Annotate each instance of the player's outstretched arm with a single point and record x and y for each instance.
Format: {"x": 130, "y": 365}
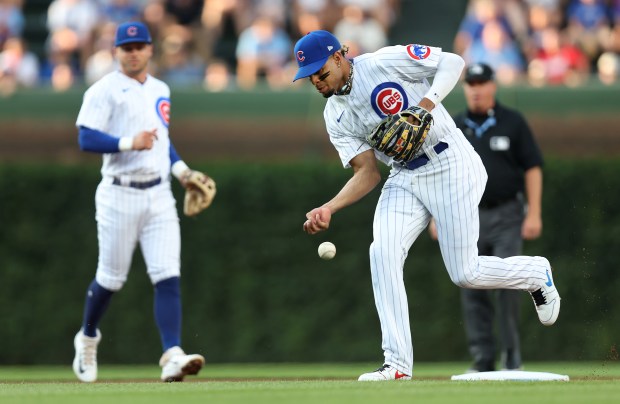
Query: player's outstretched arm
{"x": 365, "y": 178}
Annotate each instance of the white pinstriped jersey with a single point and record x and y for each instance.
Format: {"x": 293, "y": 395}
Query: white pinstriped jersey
{"x": 448, "y": 188}
{"x": 116, "y": 105}
{"x": 123, "y": 107}
{"x": 384, "y": 82}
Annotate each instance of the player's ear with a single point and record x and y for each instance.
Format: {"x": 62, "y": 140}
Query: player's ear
{"x": 338, "y": 58}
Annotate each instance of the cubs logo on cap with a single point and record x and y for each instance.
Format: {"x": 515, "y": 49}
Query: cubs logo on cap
{"x": 132, "y": 32}
{"x": 313, "y": 50}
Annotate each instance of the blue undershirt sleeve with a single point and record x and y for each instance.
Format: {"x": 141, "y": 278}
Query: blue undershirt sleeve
{"x": 95, "y": 141}
{"x": 174, "y": 156}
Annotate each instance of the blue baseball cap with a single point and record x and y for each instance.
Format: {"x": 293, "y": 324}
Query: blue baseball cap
{"x": 132, "y": 32}
{"x": 313, "y": 50}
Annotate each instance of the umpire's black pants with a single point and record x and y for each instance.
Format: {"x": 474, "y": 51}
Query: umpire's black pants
{"x": 500, "y": 235}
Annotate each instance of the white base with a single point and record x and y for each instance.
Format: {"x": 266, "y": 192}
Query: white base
{"x": 512, "y": 375}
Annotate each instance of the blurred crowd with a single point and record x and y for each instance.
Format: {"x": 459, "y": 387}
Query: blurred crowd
{"x": 220, "y": 44}
{"x": 543, "y": 42}
{"x": 234, "y": 44}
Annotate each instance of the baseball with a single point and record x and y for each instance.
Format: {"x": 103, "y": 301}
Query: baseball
{"x": 327, "y": 250}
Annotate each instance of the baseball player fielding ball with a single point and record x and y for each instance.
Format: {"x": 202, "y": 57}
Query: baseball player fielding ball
{"x": 327, "y": 250}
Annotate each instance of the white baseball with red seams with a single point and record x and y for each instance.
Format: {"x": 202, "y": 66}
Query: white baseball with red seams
{"x": 327, "y": 250}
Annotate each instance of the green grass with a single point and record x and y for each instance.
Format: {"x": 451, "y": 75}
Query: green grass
{"x": 306, "y": 383}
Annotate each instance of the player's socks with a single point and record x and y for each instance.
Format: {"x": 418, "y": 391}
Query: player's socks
{"x": 167, "y": 307}
{"x": 97, "y": 300}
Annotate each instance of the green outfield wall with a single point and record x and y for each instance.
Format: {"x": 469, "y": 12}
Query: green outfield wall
{"x": 254, "y": 288}
{"x": 38, "y": 125}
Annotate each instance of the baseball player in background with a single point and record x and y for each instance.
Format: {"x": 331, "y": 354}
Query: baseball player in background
{"x": 445, "y": 179}
{"x": 125, "y": 116}
{"x": 513, "y": 161}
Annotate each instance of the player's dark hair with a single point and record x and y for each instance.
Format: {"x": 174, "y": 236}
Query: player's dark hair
{"x": 344, "y": 50}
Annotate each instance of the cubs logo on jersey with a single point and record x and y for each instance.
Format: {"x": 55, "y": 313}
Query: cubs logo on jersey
{"x": 388, "y": 99}
{"x": 418, "y": 52}
{"x": 162, "y": 107}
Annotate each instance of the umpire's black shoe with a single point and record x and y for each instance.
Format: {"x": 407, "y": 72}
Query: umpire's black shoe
{"x": 481, "y": 367}
{"x": 511, "y": 359}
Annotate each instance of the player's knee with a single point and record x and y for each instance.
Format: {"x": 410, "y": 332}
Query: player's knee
{"x": 111, "y": 282}
{"x": 158, "y": 275}
{"x": 464, "y": 279}
{"x": 375, "y": 252}
{"x": 383, "y": 251}
{"x": 458, "y": 278}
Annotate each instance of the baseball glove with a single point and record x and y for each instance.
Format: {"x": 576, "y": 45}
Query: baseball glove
{"x": 401, "y": 135}
{"x": 199, "y": 192}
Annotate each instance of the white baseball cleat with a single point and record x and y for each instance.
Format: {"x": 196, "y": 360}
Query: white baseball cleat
{"x": 385, "y": 372}
{"x": 176, "y": 364}
{"x": 85, "y": 361}
{"x": 547, "y": 301}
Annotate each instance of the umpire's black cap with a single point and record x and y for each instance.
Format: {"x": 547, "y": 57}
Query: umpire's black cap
{"x": 479, "y": 73}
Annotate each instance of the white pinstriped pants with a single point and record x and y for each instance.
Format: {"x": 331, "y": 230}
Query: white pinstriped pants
{"x": 126, "y": 216}
{"x": 448, "y": 188}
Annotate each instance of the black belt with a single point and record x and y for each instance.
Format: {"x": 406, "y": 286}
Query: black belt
{"x": 423, "y": 159}
{"x": 494, "y": 204}
{"x": 138, "y": 185}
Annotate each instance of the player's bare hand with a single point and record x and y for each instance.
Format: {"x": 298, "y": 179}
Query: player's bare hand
{"x": 318, "y": 220}
{"x": 145, "y": 140}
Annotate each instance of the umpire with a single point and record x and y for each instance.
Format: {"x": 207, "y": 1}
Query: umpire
{"x": 510, "y": 212}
